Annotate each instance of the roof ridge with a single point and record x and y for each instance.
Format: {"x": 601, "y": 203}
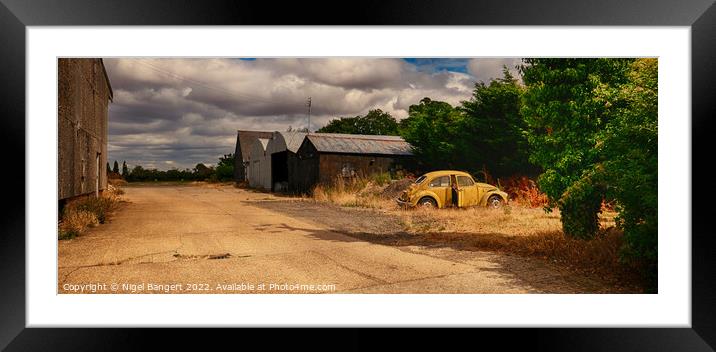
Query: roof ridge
{"x": 357, "y": 136}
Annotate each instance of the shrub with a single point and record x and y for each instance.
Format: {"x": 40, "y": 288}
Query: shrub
{"x": 66, "y": 234}
{"x": 99, "y": 206}
{"x": 381, "y": 179}
{"x": 76, "y": 221}
{"x": 524, "y": 191}
{"x": 80, "y": 214}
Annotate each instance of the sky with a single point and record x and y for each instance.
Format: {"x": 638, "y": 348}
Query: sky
{"x": 175, "y": 113}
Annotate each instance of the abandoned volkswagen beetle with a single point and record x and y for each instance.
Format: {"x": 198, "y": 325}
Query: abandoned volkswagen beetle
{"x": 449, "y": 188}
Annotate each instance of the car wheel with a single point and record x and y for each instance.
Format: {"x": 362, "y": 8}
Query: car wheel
{"x": 494, "y": 202}
{"x": 427, "y": 202}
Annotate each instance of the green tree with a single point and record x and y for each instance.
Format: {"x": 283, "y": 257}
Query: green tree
{"x": 137, "y": 174}
{"x": 125, "y": 170}
{"x": 340, "y": 125}
{"x": 202, "y": 172}
{"x": 376, "y": 122}
{"x": 225, "y": 167}
{"x": 108, "y": 169}
{"x": 492, "y": 133}
{"x": 431, "y": 127}
{"x": 115, "y": 169}
{"x": 628, "y": 145}
{"x": 565, "y": 119}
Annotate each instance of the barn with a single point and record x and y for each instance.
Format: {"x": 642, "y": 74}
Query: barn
{"x": 244, "y": 141}
{"x": 84, "y": 94}
{"x": 282, "y": 149}
{"x": 322, "y": 157}
{"x": 259, "y": 164}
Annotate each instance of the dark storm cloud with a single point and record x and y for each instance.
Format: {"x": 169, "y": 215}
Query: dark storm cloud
{"x": 179, "y": 112}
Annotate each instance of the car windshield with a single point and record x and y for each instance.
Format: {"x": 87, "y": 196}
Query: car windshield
{"x": 420, "y": 180}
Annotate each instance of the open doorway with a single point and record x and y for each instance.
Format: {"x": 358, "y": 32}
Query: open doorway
{"x": 279, "y": 171}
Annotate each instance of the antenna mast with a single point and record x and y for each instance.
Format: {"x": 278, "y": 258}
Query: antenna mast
{"x": 308, "y": 103}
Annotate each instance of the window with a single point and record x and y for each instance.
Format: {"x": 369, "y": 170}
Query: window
{"x": 464, "y": 181}
{"x": 442, "y": 181}
{"x": 420, "y": 180}
{"x": 348, "y": 170}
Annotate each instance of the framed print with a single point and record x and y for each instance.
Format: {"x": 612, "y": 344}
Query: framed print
{"x": 424, "y": 165}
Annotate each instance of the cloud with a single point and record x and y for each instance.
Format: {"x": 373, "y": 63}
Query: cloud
{"x": 188, "y": 110}
{"x": 484, "y": 69}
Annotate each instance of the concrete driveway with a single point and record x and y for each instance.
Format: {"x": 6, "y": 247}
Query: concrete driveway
{"x": 203, "y": 239}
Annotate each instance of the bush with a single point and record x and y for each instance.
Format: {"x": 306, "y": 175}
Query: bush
{"x": 580, "y": 215}
{"x": 381, "y": 179}
{"x": 76, "y": 221}
{"x": 99, "y": 206}
{"x": 80, "y": 214}
{"x": 524, "y": 191}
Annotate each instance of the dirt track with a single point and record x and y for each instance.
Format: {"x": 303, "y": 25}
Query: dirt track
{"x": 201, "y": 239}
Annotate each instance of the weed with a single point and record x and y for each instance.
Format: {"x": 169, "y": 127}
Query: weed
{"x": 67, "y": 234}
{"x": 76, "y": 221}
{"x": 86, "y": 212}
{"x": 99, "y": 206}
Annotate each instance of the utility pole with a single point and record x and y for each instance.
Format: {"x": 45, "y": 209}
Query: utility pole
{"x": 308, "y": 103}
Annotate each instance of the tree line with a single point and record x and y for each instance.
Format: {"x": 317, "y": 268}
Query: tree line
{"x": 586, "y": 129}
{"x": 223, "y": 171}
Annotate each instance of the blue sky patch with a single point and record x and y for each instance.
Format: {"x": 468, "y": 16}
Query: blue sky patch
{"x": 439, "y": 64}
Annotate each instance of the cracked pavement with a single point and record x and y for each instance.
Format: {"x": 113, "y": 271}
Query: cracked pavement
{"x": 214, "y": 239}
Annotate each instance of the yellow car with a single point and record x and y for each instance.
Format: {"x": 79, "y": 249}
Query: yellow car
{"x": 448, "y": 188}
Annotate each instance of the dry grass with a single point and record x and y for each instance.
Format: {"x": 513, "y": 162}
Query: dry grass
{"x": 75, "y": 222}
{"x": 113, "y": 192}
{"x": 510, "y": 220}
{"x": 598, "y": 257}
{"x": 518, "y": 228}
{"x": 81, "y": 214}
{"x": 117, "y": 182}
{"x": 357, "y": 192}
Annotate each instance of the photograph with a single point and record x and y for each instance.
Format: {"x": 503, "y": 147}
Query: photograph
{"x": 357, "y": 175}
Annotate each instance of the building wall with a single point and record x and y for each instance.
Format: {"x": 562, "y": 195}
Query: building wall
{"x": 259, "y": 169}
{"x": 309, "y": 167}
{"x": 244, "y": 142}
{"x": 303, "y": 169}
{"x": 332, "y": 166}
{"x": 83, "y": 99}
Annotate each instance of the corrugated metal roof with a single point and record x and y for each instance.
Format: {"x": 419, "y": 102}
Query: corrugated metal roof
{"x": 293, "y": 140}
{"x": 359, "y": 144}
{"x": 246, "y": 138}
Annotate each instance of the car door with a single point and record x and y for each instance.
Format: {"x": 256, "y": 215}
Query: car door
{"x": 441, "y": 187}
{"x": 468, "y": 191}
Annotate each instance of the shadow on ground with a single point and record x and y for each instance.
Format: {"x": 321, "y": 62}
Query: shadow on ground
{"x": 521, "y": 271}
{"x": 374, "y": 226}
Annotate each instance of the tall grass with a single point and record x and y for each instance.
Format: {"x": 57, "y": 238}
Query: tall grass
{"x": 75, "y": 222}
{"x": 81, "y": 214}
{"x": 521, "y": 228}
{"x": 362, "y": 191}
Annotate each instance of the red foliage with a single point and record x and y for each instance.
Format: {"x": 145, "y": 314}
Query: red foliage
{"x": 524, "y": 191}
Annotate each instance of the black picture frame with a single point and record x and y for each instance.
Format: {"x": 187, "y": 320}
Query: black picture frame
{"x": 699, "y": 15}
